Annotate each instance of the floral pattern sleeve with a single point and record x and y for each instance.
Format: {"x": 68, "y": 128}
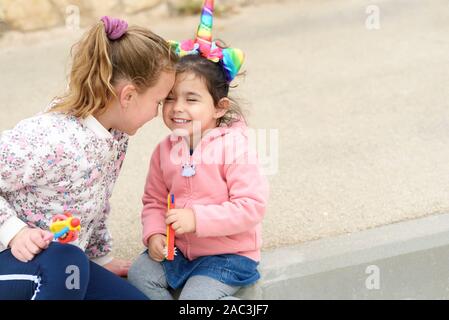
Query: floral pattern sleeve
{"x": 21, "y": 168}
{"x": 53, "y": 163}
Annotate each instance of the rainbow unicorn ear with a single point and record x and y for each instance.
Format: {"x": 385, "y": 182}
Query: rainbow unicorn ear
{"x": 232, "y": 62}
{"x": 231, "y": 59}
{"x": 184, "y": 48}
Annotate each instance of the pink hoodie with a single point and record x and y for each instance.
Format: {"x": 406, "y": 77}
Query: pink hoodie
{"x": 228, "y": 194}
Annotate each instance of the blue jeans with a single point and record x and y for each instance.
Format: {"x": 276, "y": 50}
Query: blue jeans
{"x": 149, "y": 276}
{"x": 230, "y": 269}
{"x": 61, "y": 272}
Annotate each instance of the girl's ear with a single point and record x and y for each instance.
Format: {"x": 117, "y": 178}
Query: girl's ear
{"x": 127, "y": 95}
{"x": 222, "y": 107}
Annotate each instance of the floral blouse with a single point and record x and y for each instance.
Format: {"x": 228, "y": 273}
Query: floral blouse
{"x": 53, "y": 163}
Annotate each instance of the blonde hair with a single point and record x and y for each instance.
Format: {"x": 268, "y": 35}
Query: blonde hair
{"x": 98, "y": 64}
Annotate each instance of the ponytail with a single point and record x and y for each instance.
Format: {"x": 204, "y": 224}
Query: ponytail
{"x": 99, "y": 63}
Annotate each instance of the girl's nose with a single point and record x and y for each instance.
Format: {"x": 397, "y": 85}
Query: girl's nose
{"x": 178, "y": 106}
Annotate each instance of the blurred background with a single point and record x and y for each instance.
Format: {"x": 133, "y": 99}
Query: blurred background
{"x": 349, "y": 97}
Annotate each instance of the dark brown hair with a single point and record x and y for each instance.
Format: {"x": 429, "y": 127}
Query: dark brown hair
{"x": 215, "y": 78}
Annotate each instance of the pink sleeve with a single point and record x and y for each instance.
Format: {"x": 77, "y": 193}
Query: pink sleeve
{"x": 248, "y": 195}
{"x": 154, "y": 200}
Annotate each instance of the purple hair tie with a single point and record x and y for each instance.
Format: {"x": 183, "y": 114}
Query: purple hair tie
{"x": 115, "y": 28}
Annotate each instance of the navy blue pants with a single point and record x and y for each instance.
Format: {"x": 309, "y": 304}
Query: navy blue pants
{"x": 61, "y": 272}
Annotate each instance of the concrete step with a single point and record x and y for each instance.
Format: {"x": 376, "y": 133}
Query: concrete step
{"x": 406, "y": 260}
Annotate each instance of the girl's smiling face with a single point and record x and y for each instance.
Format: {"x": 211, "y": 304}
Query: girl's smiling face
{"x": 190, "y": 105}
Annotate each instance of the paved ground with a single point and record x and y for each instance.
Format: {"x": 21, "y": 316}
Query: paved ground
{"x": 362, "y": 115}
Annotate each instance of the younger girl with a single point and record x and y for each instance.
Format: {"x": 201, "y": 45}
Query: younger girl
{"x": 68, "y": 159}
{"x": 220, "y": 195}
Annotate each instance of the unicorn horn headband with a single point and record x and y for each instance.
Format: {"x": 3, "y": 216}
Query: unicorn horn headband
{"x": 230, "y": 58}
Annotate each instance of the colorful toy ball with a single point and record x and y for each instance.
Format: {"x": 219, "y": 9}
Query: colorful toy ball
{"x": 65, "y": 227}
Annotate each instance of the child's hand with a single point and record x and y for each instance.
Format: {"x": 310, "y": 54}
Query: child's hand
{"x": 119, "y": 267}
{"x": 182, "y": 220}
{"x": 29, "y": 242}
{"x": 156, "y": 245}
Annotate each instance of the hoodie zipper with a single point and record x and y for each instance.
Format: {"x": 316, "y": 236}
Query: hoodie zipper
{"x": 188, "y": 179}
{"x": 189, "y": 182}
{"x": 189, "y": 199}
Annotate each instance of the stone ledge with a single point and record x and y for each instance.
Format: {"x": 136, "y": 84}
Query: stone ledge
{"x": 410, "y": 259}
